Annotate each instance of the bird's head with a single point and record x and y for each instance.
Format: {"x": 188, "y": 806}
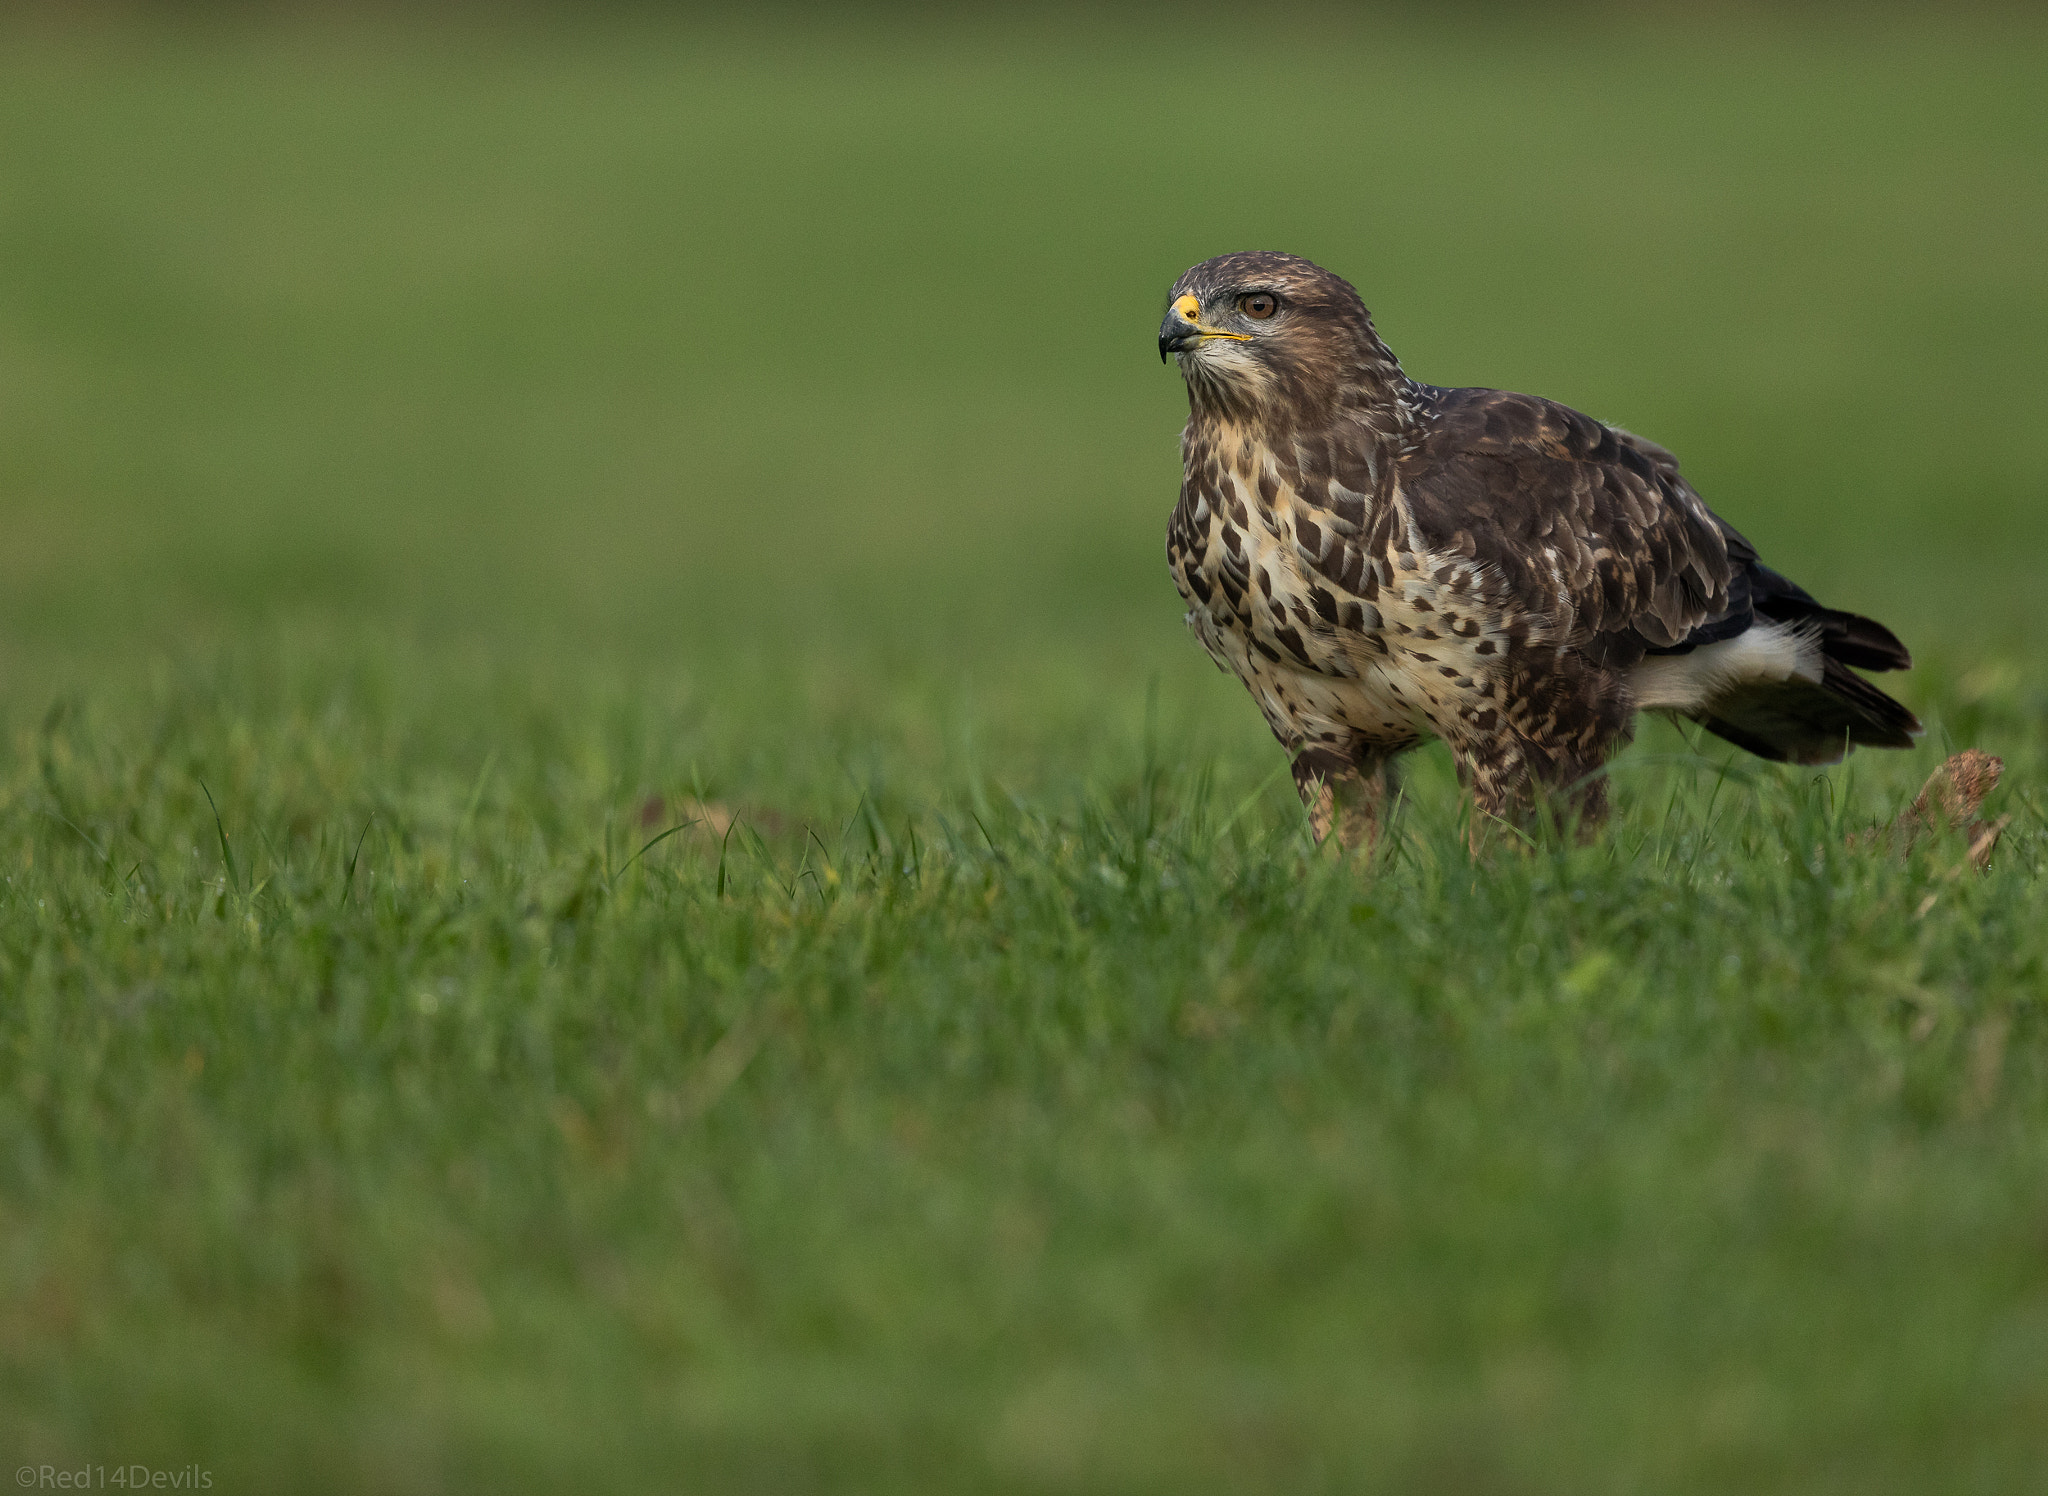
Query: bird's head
{"x": 1257, "y": 329}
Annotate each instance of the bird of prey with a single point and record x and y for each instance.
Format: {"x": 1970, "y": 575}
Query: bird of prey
{"x": 1382, "y": 561}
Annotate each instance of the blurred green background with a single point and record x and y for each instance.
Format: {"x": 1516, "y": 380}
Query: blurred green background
{"x": 690, "y": 335}
{"x": 438, "y": 447}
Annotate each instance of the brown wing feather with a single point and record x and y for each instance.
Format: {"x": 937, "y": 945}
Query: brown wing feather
{"x": 1553, "y": 502}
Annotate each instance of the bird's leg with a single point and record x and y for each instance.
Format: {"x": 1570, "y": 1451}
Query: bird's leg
{"x": 1342, "y": 793}
{"x": 1517, "y": 784}
{"x": 1317, "y": 772}
{"x": 1496, "y": 771}
{"x": 1587, "y": 799}
{"x": 1498, "y": 801}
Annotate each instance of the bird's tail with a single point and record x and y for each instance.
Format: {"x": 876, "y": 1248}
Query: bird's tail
{"x": 1804, "y": 721}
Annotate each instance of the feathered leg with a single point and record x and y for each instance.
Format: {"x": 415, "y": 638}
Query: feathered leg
{"x": 1512, "y": 779}
{"x": 1344, "y": 794}
{"x": 1558, "y": 727}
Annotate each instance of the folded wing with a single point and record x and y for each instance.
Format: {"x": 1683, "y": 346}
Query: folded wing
{"x": 1595, "y": 531}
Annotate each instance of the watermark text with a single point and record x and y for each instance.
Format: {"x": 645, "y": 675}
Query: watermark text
{"x": 113, "y": 1478}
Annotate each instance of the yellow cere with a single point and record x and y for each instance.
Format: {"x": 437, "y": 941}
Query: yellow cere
{"x": 1188, "y": 309}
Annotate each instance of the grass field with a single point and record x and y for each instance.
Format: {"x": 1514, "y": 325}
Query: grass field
{"x": 436, "y": 461}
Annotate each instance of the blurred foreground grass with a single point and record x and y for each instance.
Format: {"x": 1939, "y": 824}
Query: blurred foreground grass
{"x": 434, "y": 462}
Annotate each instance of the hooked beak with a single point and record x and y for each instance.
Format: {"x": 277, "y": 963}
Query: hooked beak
{"x": 1183, "y": 329}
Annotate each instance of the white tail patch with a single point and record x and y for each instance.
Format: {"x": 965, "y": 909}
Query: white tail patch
{"x": 1765, "y": 652}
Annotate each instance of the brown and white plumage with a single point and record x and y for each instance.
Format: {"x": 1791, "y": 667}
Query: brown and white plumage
{"x": 1382, "y": 561}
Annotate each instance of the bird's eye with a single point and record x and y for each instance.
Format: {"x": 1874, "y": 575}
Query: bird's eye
{"x": 1259, "y": 305}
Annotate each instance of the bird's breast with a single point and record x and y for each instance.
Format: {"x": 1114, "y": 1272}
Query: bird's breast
{"x": 1367, "y": 626}
{"x": 1260, "y": 558}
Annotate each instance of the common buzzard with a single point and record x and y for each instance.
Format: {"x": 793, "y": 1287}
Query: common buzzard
{"x": 1382, "y": 561}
